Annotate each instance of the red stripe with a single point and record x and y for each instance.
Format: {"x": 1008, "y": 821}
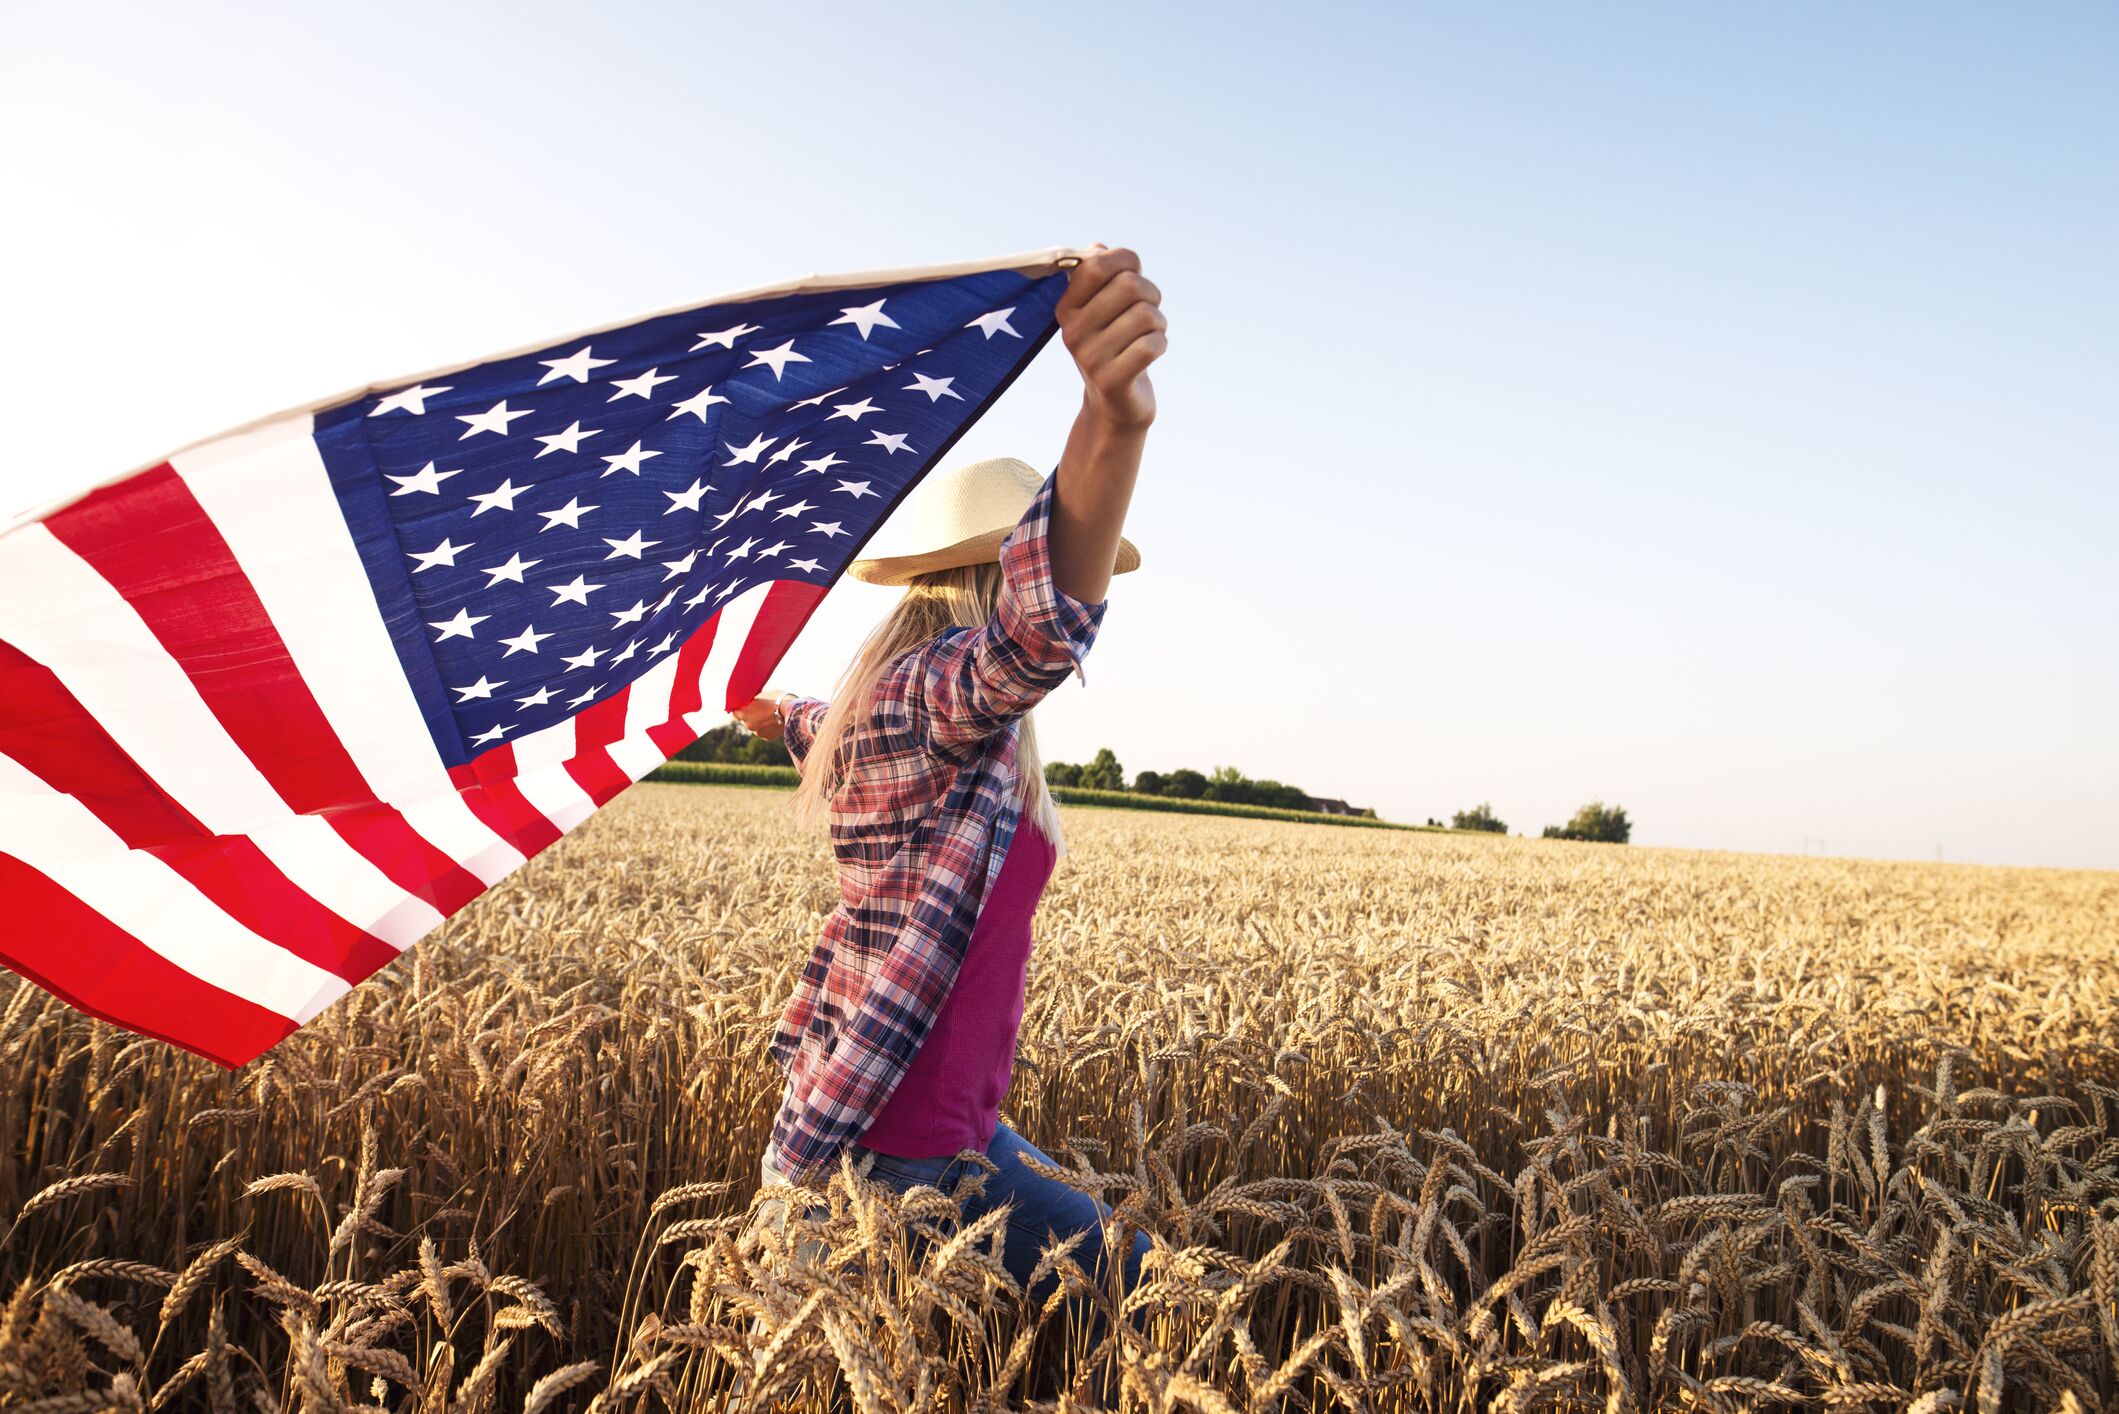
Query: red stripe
{"x": 487, "y": 785}
{"x": 44, "y": 727}
{"x": 157, "y": 547}
{"x": 595, "y": 727}
{"x": 106, "y": 972}
{"x": 674, "y": 735}
{"x": 788, "y": 605}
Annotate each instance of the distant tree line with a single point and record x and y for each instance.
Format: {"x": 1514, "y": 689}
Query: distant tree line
{"x": 1226, "y": 784}
{"x": 1594, "y": 821}
{"x": 736, "y": 748}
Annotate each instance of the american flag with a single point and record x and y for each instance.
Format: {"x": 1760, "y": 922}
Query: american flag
{"x": 272, "y": 709}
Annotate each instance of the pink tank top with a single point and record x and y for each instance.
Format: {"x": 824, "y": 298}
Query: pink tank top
{"x": 949, "y": 1098}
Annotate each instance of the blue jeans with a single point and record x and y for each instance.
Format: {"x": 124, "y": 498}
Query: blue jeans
{"x": 1041, "y": 1207}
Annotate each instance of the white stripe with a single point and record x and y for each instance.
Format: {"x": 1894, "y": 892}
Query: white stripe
{"x": 635, "y": 755}
{"x": 57, "y": 609}
{"x": 545, "y": 747}
{"x": 557, "y": 795}
{"x": 269, "y": 494}
{"x": 647, "y": 702}
{"x": 737, "y": 619}
{"x": 58, "y": 835}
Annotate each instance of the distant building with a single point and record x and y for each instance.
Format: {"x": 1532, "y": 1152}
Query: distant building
{"x": 1333, "y": 807}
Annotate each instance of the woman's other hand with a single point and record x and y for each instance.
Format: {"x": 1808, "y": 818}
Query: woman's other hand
{"x": 1111, "y": 318}
{"x": 759, "y": 716}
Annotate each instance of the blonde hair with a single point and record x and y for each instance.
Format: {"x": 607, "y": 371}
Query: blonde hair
{"x": 960, "y": 597}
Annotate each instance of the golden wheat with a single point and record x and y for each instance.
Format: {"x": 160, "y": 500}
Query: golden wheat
{"x": 1412, "y": 1121}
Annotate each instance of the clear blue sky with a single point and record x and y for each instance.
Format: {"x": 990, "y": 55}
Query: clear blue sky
{"x": 1712, "y": 409}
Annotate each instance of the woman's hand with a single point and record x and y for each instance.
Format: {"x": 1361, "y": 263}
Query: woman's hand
{"x": 759, "y": 716}
{"x": 1111, "y": 318}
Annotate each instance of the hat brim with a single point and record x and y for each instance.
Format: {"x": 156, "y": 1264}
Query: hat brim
{"x": 975, "y": 550}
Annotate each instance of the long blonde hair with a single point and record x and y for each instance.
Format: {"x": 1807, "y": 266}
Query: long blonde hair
{"x": 941, "y": 599}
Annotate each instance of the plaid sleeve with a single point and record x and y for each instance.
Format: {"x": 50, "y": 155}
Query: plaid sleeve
{"x": 799, "y": 722}
{"x": 976, "y": 682}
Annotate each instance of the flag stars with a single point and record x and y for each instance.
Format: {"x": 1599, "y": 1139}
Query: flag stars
{"x": 411, "y": 400}
{"x": 642, "y": 386}
{"x": 777, "y": 359}
{"x": 994, "y": 323}
{"x": 775, "y": 549}
{"x": 426, "y": 479}
{"x": 865, "y": 318}
{"x": 628, "y": 548}
{"x": 829, "y": 529}
{"x": 494, "y": 419}
{"x": 793, "y": 508}
{"x": 631, "y": 460}
{"x": 669, "y": 641}
{"x": 568, "y": 515}
{"x": 749, "y": 452}
{"x": 567, "y": 441}
{"x": 673, "y": 569}
{"x": 725, "y": 339}
{"x": 762, "y": 500}
{"x": 629, "y": 650}
{"x": 819, "y": 465}
{"x": 817, "y": 401}
{"x": 785, "y": 452}
{"x": 936, "y": 389}
{"x": 524, "y": 642}
{"x": 687, "y": 499}
{"x": 585, "y": 697}
{"x": 501, "y": 497}
{"x": 577, "y": 591}
{"x": 535, "y": 699}
{"x": 853, "y": 412}
{"x": 512, "y": 570}
{"x": 700, "y": 598}
{"x": 743, "y": 550}
{"x": 482, "y": 688}
{"x": 810, "y": 565}
{"x": 855, "y": 489}
{"x": 494, "y": 735}
{"x": 586, "y": 658}
{"x": 443, "y": 554}
{"x": 459, "y": 626}
{"x": 696, "y": 404}
{"x": 576, "y": 366}
{"x": 893, "y": 442}
{"x": 621, "y": 617}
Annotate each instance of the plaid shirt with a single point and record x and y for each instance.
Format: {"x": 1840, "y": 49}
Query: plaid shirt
{"x": 919, "y": 828}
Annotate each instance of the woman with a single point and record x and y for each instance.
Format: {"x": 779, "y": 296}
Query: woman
{"x": 899, "y": 1039}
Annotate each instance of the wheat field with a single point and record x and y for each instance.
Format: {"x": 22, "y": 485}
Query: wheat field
{"x": 1414, "y": 1121}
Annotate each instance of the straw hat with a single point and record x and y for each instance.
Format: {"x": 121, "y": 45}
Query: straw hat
{"x": 960, "y": 517}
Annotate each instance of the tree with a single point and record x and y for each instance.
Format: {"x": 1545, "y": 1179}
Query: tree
{"x": 1595, "y": 821}
{"x": 1148, "y": 783}
{"x": 1062, "y": 773}
{"x": 1103, "y": 773}
{"x": 729, "y": 745}
{"x": 1185, "y": 783}
{"x": 1479, "y": 817}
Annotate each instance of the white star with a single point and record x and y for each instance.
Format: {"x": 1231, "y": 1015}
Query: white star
{"x": 794, "y": 509}
{"x": 742, "y": 550}
{"x": 722, "y": 519}
{"x": 749, "y": 453}
{"x": 412, "y": 400}
{"x": 586, "y": 658}
{"x": 829, "y": 529}
{"x": 535, "y": 699}
{"x": 460, "y": 626}
{"x": 853, "y": 412}
{"x": 641, "y": 386}
{"x": 629, "y": 548}
{"x": 567, "y": 441}
{"x": 494, "y": 735}
{"x": 994, "y": 323}
{"x": 481, "y": 688}
{"x": 894, "y": 441}
{"x": 524, "y": 642}
{"x": 867, "y": 317}
{"x": 821, "y": 464}
{"x": 729, "y": 588}
{"x": 442, "y": 554}
{"x": 585, "y": 696}
{"x": 577, "y": 592}
{"x": 811, "y": 565}
{"x": 621, "y": 617}
{"x": 668, "y": 642}
{"x": 687, "y": 499}
{"x": 426, "y": 479}
{"x": 778, "y": 359}
{"x": 576, "y": 366}
{"x": 726, "y": 339}
{"x": 502, "y": 496}
{"x": 628, "y": 460}
{"x": 775, "y": 549}
{"x": 511, "y": 570}
{"x": 785, "y": 452}
{"x": 817, "y": 401}
{"x": 936, "y": 389}
{"x": 666, "y": 600}
{"x": 697, "y": 404}
{"x": 700, "y": 598}
{"x": 674, "y": 568}
{"x": 762, "y": 499}
{"x": 494, "y": 419}
{"x": 630, "y": 650}
{"x": 568, "y": 515}
{"x": 855, "y": 489}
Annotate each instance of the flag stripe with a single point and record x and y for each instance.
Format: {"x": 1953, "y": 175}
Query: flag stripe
{"x": 488, "y": 787}
{"x": 732, "y": 626}
{"x": 150, "y": 539}
{"x": 269, "y": 495}
{"x": 555, "y": 793}
{"x": 591, "y": 766}
{"x": 62, "y": 839}
{"x": 73, "y": 755}
{"x": 785, "y": 607}
{"x": 66, "y": 616}
{"x": 106, "y": 972}
{"x": 674, "y": 733}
